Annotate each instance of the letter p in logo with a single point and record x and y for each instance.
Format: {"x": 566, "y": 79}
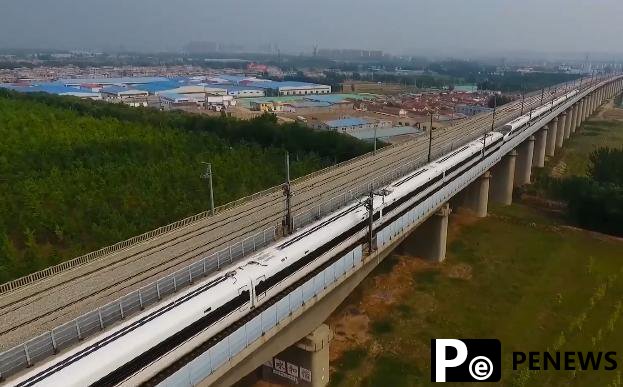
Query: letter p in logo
{"x": 441, "y": 362}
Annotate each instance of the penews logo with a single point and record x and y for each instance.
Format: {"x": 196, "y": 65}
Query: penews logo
{"x": 466, "y": 360}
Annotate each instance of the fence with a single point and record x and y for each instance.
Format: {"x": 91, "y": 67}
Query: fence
{"x": 63, "y": 336}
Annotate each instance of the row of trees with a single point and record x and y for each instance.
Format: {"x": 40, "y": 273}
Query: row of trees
{"x": 263, "y": 131}
{"x": 78, "y": 175}
{"x": 515, "y": 82}
{"x": 596, "y": 201}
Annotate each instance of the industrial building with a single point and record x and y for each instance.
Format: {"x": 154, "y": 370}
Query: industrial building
{"x": 274, "y": 88}
{"x": 214, "y": 92}
{"x": 128, "y": 96}
{"x": 243, "y": 91}
{"x": 212, "y": 102}
{"x": 350, "y": 124}
{"x": 472, "y": 110}
{"x": 290, "y": 88}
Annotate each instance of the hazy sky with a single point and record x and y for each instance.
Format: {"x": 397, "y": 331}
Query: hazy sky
{"x": 397, "y": 26}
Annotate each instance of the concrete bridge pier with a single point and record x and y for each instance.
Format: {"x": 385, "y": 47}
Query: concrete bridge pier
{"x": 589, "y": 106}
{"x": 429, "y": 239}
{"x": 589, "y": 110}
{"x": 598, "y": 99}
{"x": 552, "y": 129}
{"x": 477, "y": 195}
{"x": 502, "y": 176}
{"x": 580, "y": 113}
{"x": 584, "y": 109}
{"x": 570, "y": 122}
{"x": 578, "y": 116}
{"x": 600, "y": 96}
{"x": 538, "y": 159}
{"x": 306, "y": 363}
{"x": 560, "y": 132}
{"x": 523, "y": 165}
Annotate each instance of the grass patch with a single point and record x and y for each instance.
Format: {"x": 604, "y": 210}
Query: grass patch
{"x": 426, "y": 279}
{"x": 387, "y": 265}
{"x": 535, "y": 285}
{"x": 592, "y": 135}
{"x": 382, "y": 327}
{"x": 352, "y": 359}
{"x": 391, "y": 371}
{"x": 404, "y": 310}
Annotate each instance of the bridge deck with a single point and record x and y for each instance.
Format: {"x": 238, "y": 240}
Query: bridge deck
{"x": 43, "y": 305}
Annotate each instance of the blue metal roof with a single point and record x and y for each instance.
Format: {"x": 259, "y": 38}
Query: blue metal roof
{"x": 231, "y": 78}
{"x": 50, "y": 88}
{"x": 155, "y": 87}
{"x": 230, "y": 88}
{"x": 346, "y": 122}
{"x": 112, "y": 81}
{"x": 114, "y": 89}
{"x": 11, "y": 86}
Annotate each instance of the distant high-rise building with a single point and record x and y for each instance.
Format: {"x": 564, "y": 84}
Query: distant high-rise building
{"x": 350, "y": 54}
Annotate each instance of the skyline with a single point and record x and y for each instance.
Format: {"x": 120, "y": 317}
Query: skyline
{"x": 441, "y": 28}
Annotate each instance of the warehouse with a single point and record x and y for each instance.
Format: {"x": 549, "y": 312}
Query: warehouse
{"x": 289, "y": 87}
{"x": 349, "y": 124}
{"x": 241, "y": 91}
{"x": 214, "y": 102}
{"x": 194, "y": 90}
{"x": 131, "y": 97}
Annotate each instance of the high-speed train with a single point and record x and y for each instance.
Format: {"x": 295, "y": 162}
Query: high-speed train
{"x": 128, "y": 353}
{"x": 513, "y": 127}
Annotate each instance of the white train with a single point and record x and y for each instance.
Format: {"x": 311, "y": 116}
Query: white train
{"x": 515, "y": 126}
{"x": 134, "y": 351}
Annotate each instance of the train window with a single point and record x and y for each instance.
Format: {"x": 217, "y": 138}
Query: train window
{"x": 259, "y": 282}
{"x": 506, "y": 129}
